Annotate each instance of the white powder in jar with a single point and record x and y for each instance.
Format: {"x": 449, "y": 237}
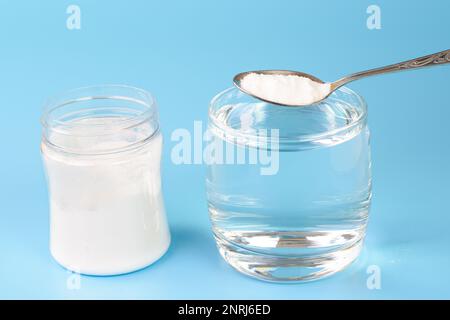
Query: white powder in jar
{"x": 285, "y": 89}
{"x": 107, "y": 213}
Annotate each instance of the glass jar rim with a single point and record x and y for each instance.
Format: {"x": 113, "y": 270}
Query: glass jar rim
{"x": 299, "y": 138}
{"x": 99, "y": 120}
{"x": 82, "y": 94}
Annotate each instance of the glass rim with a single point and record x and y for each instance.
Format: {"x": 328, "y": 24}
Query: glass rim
{"x": 300, "y": 138}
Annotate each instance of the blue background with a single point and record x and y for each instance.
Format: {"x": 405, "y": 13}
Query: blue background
{"x": 185, "y": 52}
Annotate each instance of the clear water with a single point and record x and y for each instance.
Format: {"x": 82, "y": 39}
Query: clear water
{"x": 308, "y": 219}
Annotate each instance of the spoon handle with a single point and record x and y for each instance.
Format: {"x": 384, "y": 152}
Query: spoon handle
{"x": 434, "y": 59}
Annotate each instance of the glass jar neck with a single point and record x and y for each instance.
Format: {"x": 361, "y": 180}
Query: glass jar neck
{"x": 99, "y": 120}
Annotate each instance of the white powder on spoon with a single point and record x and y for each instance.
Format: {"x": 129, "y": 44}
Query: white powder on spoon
{"x": 285, "y": 89}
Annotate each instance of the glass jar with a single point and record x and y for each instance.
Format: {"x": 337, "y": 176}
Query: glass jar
{"x": 101, "y": 148}
{"x": 288, "y": 188}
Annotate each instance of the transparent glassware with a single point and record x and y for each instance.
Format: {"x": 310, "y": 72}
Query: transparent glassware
{"x": 101, "y": 148}
{"x": 288, "y": 188}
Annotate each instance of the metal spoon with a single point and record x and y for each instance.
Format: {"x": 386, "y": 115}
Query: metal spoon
{"x": 434, "y": 59}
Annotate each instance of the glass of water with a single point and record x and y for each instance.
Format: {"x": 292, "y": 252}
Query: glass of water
{"x": 288, "y": 188}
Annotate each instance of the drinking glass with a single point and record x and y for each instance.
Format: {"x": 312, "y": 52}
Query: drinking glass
{"x": 288, "y": 188}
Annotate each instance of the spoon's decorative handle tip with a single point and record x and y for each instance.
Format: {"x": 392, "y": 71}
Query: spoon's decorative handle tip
{"x": 434, "y": 59}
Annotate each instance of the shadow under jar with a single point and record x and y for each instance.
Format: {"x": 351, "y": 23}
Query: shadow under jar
{"x": 288, "y": 188}
{"x": 101, "y": 148}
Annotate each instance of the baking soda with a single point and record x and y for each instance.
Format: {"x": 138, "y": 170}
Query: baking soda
{"x": 107, "y": 212}
{"x": 285, "y": 89}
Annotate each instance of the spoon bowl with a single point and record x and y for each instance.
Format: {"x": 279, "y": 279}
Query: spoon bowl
{"x": 237, "y": 81}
